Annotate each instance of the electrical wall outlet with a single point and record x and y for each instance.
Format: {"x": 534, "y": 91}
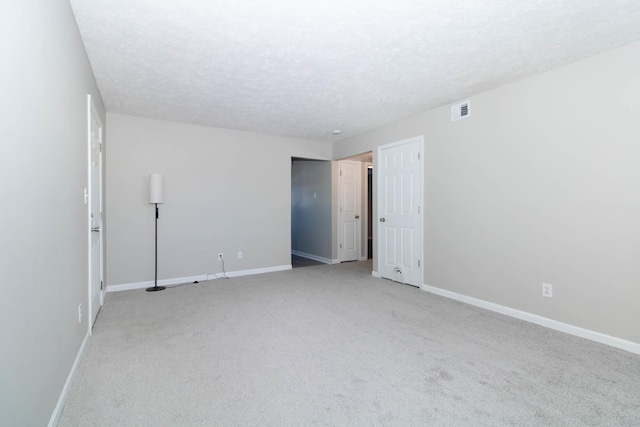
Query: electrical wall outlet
{"x": 547, "y": 290}
{"x": 239, "y": 254}
{"x": 220, "y": 256}
{"x": 79, "y": 313}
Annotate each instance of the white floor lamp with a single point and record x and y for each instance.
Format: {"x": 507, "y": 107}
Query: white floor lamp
{"x": 156, "y": 192}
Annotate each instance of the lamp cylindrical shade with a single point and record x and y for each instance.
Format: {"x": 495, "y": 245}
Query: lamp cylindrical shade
{"x": 156, "y": 188}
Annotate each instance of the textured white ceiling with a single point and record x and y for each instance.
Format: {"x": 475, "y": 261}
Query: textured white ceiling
{"x": 305, "y": 68}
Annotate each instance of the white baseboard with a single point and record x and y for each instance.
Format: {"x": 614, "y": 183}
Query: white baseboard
{"x": 57, "y": 412}
{"x": 191, "y": 279}
{"x": 314, "y": 257}
{"x": 629, "y": 346}
{"x": 376, "y": 274}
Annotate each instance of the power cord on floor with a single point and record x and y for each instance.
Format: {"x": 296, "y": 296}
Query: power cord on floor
{"x": 224, "y": 273}
{"x": 215, "y": 276}
{"x": 181, "y": 284}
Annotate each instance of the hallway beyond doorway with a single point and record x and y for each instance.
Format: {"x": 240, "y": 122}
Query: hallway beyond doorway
{"x": 298, "y": 261}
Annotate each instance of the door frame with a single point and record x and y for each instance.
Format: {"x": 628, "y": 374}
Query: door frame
{"x": 92, "y": 113}
{"x": 379, "y": 195}
{"x": 365, "y": 213}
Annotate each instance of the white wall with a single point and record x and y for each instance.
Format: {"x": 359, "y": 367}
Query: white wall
{"x": 311, "y": 207}
{"x": 540, "y": 184}
{"x": 43, "y": 169}
{"x": 225, "y": 191}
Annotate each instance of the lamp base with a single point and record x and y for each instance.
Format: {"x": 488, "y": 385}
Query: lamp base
{"x": 156, "y": 288}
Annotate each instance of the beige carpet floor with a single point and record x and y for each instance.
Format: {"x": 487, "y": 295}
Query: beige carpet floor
{"x": 331, "y": 345}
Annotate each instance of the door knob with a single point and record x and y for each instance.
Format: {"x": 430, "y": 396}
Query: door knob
{"x": 357, "y": 216}
{"x": 382, "y": 220}
{"x": 96, "y": 230}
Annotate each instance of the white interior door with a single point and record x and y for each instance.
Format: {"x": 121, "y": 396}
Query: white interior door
{"x": 349, "y": 215}
{"x": 400, "y": 171}
{"x": 95, "y": 213}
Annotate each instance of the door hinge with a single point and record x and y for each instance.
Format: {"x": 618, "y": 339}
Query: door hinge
{"x": 418, "y": 263}
{"x": 418, "y": 156}
{"x": 101, "y": 285}
{"x": 418, "y": 209}
{"x": 100, "y": 147}
{"x": 340, "y": 245}
{"x": 340, "y": 173}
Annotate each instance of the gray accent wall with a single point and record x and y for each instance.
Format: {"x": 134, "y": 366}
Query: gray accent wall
{"x": 46, "y": 77}
{"x": 224, "y": 191}
{"x": 541, "y": 184}
{"x": 311, "y": 207}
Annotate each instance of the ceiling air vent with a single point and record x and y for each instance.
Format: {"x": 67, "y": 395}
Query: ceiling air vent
{"x": 461, "y": 110}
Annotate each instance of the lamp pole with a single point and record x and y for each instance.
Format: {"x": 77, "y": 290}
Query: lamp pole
{"x": 155, "y": 197}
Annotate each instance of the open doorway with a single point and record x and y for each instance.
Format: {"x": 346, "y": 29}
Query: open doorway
{"x": 311, "y": 222}
{"x": 370, "y": 211}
